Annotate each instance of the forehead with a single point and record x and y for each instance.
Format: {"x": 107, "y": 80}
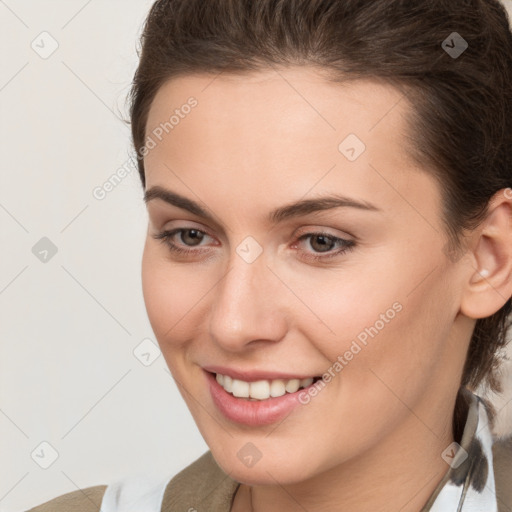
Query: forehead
{"x": 288, "y": 95}
{"x": 281, "y": 133}
{"x": 292, "y": 111}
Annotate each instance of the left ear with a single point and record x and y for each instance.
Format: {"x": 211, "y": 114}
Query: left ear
{"x": 490, "y": 277}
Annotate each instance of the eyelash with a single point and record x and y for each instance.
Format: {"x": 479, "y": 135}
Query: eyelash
{"x": 165, "y": 237}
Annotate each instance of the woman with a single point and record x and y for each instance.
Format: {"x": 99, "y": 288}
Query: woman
{"x": 328, "y": 263}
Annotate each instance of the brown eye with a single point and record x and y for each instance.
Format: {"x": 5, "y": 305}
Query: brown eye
{"x": 191, "y": 236}
{"x": 322, "y": 243}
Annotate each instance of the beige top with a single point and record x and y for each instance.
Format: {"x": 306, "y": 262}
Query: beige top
{"x": 481, "y": 483}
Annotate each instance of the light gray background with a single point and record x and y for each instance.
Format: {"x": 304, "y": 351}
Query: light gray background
{"x": 69, "y": 326}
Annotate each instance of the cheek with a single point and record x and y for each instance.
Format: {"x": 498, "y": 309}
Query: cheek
{"x": 170, "y": 294}
{"x": 374, "y": 320}
{"x": 343, "y": 305}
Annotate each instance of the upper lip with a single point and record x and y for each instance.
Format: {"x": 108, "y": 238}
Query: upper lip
{"x": 252, "y": 375}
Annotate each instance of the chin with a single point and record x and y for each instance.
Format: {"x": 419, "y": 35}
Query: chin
{"x": 265, "y": 471}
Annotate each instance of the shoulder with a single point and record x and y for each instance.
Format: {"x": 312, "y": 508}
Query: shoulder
{"x": 202, "y": 486}
{"x": 502, "y": 455}
{"x": 83, "y": 500}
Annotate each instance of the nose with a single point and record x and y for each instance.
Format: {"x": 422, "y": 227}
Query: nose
{"x": 248, "y": 306}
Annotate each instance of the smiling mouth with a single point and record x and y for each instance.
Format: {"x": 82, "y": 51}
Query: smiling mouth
{"x": 262, "y": 389}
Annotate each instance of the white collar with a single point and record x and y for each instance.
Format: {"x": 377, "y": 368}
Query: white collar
{"x": 469, "y": 485}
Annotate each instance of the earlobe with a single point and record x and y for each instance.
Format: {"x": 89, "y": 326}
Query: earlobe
{"x": 490, "y": 283}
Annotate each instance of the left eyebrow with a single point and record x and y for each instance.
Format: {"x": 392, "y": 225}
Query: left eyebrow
{"x": 296, "y": 209}
{"x": 306, "y": 206}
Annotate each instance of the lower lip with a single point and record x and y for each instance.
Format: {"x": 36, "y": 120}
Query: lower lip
{"x": 252, "y": 412}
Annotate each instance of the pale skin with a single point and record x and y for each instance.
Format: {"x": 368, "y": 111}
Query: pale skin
{"x": 372, "y": 439}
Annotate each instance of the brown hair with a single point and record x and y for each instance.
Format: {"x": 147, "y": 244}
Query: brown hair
{"x": 461, "y": 120}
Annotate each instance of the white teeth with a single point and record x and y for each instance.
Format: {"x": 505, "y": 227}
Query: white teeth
{"x": 261, "y": 389}
{"x": 240, "y": 388}
{"x": 304, "y": 383}
{"x": 292, "y": 385}
{"x": 277, "y": 388}
{"x": 228, "y": 383}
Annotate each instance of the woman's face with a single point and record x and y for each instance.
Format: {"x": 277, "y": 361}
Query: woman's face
{"x": 363, "y": 294}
